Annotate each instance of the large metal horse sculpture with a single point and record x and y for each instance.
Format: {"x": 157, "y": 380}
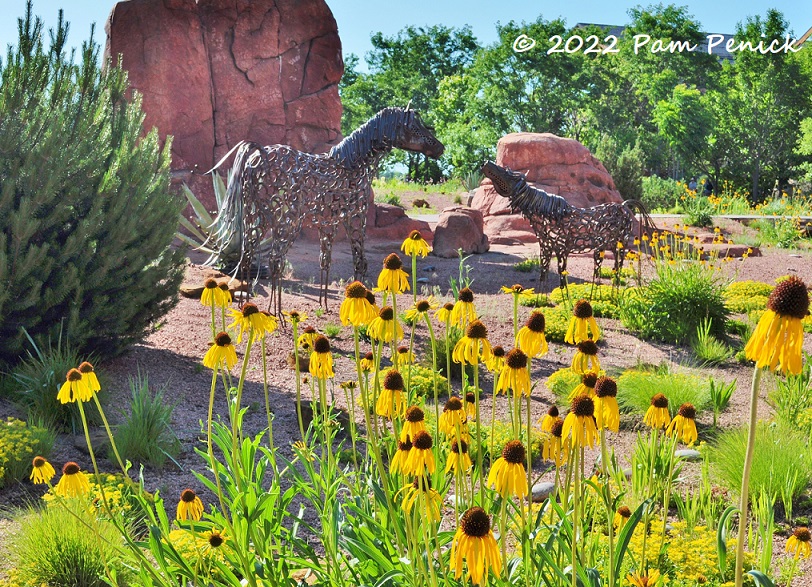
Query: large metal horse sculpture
{"x": 561, "y": 228}
{"x": 272, "y": 189}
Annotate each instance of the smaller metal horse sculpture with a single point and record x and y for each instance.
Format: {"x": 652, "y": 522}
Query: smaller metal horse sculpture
{"x": 562, "y": 229}
{"x": 272, "y": 189}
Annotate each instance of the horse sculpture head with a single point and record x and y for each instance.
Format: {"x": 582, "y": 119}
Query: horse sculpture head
{"x": 414, "y": 135}
{"x": 507, "y": 183}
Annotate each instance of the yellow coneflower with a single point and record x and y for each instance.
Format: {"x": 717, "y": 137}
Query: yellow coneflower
{"x": 421, "y": 457}
{"x": 475, "y": 543}
{"x": 321, "y": 359}
{"x": 474, "y": 346}
{"x": 582, "y": 324}
{"x": 458, "y": 458}
{"x": 586, "y": 387}
{"x": 89, "y": 376}
{"x": 530, "y": 337}
{"x": 215, "y": 538}
{"x": 649, "y": 579}
{"x": 212, "y": 294}
{"x": 391, "y": 401}
{"x": 778, "y": 338}
{"x": 421, "y": 486}
{"x": 443, "y": 315}
{"x": 222, "y": 351}
{"x": 42, "y": 471}
{"x": 307, "y": 337}
{"x": 657, "y": 415}
{"x": 586, "y": 357}
{"x": 549, "y": 418}
{"x": 249, "y": 319}
{"x": 413, "y": 422}
{"x": 799, "y": 543}
{"x": 73, "y": 482}
{"x": 356, "y": 309}
{"x": 508, "y": 474}
{"x": 556, "y": 447}
{"x": 453, "y": 417}
{"x": 381, "y": 327}
{"x": 189, "y": 506}
{"x": 497, "y": 360}
{"x": 684, "y": 424}
{"x": 393, "y": 278}
{"x": 607, "y": 412}
{"x": 368, "y": 363}
{"x": 398, "y": 463}
{"x": 622, "y": 516}
{"x": 514, "y": 374}
{"x": 470, "y": 405}
{"x": 75, "y": 388}
{"x": 415, "y": 244}
{"x": 372, "y": 301}
{"x": 225, "y": 296}
{"x": 519, "y": 291}
{"x": 295, "y": 316}
{"x": 420, "y": 309}
{"x": 464, "y": 312}
{"x": 405, "y": 356}
{"x": 580, "y": 422}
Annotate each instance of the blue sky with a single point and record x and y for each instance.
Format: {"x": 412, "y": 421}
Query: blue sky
{"x": 358, "y": 19}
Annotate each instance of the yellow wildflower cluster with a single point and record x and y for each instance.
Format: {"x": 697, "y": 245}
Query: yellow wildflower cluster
{"x": 19, "y": 443}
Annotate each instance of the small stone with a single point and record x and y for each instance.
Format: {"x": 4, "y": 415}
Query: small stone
{"x": 429, "y": 268}
{"x": 422, "y": 280}
{"x": 452, "y": 497}
{"x": 688, "y": 454}
{"x": 795, "y": 256}
{"x": 628, "y": 473}
{"x": 542, "y": 491}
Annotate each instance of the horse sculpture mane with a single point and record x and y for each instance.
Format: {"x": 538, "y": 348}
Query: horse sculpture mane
{"x": 371, "y": 138}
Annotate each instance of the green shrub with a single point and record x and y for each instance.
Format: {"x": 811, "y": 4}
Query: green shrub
{"x": 792, "y": 397}
{"x": 65, "y": 547}
{"x": 36, "y": 381}
{"x": 562, "y": 382}
{"x": 536, "y": 301}
{"x": 661, "y": 194}
{"x": 625, "y": 164}
{"x": 780, "y": 461}
{"x": 783, "y": 233}
{"x": 557, "y": 320}
{"x": 698, "y": 211}
{"x": 19, "y": 444}
{"x": 675, "y": 303}
{"x": 603, "y": 298}
{"x": 635, "y": 389}
{"x": 528, "y": 265}
{"x": 146, "y": 435}
{"x": 502, "y": 434}
{"x": 86, "y": 210}
{"x": 332, "y": 330}
{"x": 421, "y": 380}
{"x": 708, "y": 349}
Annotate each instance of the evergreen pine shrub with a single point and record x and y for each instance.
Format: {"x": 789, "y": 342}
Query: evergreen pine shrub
{"x": 85, "y": 209}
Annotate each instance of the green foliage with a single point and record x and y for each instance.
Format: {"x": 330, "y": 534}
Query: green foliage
{"x": 780, "y": 459}
{"x": 421, "y": 379}
{"x": 625, "y": 164}
{"x": 636, "y": 388}
{"x": 528, "y": 265}
{"x": 502, "y": 434}
{"x": 707, "y": 348}
{"x": 19, "y": 444}
{"x": 66, "y": 545}
{"x": 85, "y": 204}
{"x": 332, "y": 330}
{"x": 743, "y": 296}
{"x": 391, "y": 199}
{"x": 557, "y": 320}
{"x": 720, "y": 394}
{"x": 146, "y": 436}
{"x": 603, "y": 298}
{"x": 562, "y": 382}
{"x": 36, "y": 382}
{"x": 535, "y": 301}
{"x": 698, "y": 211}
{"x": 783, "y": 233}
{"x": 674, "y": 303}
{"x": 792, "y": 399}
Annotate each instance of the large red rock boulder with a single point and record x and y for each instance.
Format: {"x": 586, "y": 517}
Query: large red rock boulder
{"x": 460, "y": 228}
{"x": 555, "y": 164}
{"x": 215, "y": 72}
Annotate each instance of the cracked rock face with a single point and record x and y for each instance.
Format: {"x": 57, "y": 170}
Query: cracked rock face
{"x": 215, "y": 72}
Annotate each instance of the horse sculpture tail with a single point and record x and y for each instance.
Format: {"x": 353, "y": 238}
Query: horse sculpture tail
{"x": 646, "y": 223}
{"x": 228, "y": 229}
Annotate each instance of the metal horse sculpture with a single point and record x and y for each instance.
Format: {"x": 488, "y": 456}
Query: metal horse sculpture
{"x": 272, "y": 189}
{"x": 561, "y": 228}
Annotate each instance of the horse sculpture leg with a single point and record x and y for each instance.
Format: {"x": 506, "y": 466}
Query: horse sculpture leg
{"x": 326, "y": 235}
{"x": 356, "y": 231}
{"x": 561, "y": 260}
{"x": 275, "y": 265}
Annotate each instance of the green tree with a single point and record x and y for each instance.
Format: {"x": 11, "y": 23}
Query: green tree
{"x": 86, "y": 213}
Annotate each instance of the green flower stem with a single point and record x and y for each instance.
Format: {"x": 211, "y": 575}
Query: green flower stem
{"x": 268, "y": 408}
{"x": 92, "y": 454}
{"x": 213, "y": 321}
{"x": 515, "y": 316}
{"x": 434, "y": 379}
{"x": 210, "y": 445}
{"x": 575, "y": 517}
{"x": 493, "y": 418}
{"x": 414, "y": 276}
{"x": 478, "y": 426}
{"x": 110, "y": 435}
{"x": 236, "y": 434}
{"x": 394, "y": 341}
{"x": 298, "y": 378}
{"x": 748, "y": 464}
{"x": 448, "y": 357}
{"x": 609, "y": 513}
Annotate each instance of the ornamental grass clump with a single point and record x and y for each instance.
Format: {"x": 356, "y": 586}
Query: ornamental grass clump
{"x": 635, "y": 390}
